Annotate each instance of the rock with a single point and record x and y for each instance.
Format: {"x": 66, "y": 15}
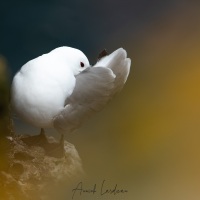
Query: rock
{"x": 31, "y": 170}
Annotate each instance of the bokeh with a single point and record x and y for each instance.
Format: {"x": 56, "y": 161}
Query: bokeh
{"x": 147, "y": 139}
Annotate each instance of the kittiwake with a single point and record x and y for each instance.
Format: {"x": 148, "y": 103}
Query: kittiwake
{"x": 61, "y": 89}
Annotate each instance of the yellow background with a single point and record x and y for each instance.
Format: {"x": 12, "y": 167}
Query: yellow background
{"x": 148, "y": 138}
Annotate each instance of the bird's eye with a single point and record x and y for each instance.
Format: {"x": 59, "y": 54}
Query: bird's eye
{"x": 82, "y": 64}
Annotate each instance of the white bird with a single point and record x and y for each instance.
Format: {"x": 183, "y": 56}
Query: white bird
{"x": 61, "y": 89}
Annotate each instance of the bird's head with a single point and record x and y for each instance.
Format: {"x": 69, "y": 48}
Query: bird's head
{"x": 72, "y": 58}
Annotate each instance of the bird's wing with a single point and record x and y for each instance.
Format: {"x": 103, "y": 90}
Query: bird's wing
{"x": 94, "y": 87}
{"x": 119, "y": 64}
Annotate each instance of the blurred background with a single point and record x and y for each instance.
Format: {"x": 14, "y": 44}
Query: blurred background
{"x": 147, "y": 139}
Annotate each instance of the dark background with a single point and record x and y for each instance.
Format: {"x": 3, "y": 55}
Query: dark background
{"x": 31, "y": 28}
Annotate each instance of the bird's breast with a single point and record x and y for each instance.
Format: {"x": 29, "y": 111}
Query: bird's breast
{"x": 38, "y": 94}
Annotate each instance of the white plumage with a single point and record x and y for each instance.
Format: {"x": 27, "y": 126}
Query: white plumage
{"x": 61, "y": 90}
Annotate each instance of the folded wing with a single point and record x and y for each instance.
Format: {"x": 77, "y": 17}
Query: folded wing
{"x": 95, "y": 86}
